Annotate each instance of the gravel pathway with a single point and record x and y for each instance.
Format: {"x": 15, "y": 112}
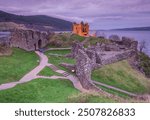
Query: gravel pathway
{"x": 114, "y": 88}
{"x": 33, "y": 74}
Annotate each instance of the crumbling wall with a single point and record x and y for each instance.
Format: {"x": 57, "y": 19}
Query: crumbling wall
{"x": 29, "y": 40}
{"x": 88, "y": 59}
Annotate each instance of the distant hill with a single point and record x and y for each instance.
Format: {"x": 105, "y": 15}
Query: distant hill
{"x": 135, "y": 29}
{"x": 36, "y": 21}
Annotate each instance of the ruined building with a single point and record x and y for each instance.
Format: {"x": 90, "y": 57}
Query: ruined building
{"x": 29, "y": 40}
{"x": 81, "y": 29}
{"x": 96, "y": 56}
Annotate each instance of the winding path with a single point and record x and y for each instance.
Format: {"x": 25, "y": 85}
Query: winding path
{"x": 33, "y": 74}
{"x": 29, "y": 76}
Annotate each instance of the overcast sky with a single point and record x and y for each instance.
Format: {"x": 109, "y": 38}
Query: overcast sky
{"x": 101, "y": 14}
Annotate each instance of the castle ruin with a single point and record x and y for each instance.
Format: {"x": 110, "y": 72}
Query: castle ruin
{"x": 81, "y": 29}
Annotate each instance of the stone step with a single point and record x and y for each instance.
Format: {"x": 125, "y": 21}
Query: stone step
{"x": 66, "y": 74}
{"x": 54, "y": 68}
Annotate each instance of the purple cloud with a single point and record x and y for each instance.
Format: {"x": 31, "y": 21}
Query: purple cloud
{"x": 101, "y": 14}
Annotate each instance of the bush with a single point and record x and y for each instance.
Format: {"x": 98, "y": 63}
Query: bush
{"x": 144, "y": 63}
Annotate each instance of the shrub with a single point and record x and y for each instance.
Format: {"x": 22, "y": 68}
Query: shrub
{"x": 144, "y": 63}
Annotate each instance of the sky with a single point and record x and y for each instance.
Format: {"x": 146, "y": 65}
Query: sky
{"x": 100, "y": 14}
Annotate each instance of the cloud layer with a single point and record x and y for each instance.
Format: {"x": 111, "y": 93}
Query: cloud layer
{"x": 101, "y": 14}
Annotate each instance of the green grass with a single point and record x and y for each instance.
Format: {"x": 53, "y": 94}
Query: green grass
{"x": 48, "y": 91}
{"x": 90, "y": 98}
{"x": 111, "y": 91}
{"x": 61, "y": 52}
{"x": 39, "y": 90}
{"x": 57, "y": 60}
{"x": 14, "y": 67}
{"x": 68, "y": 39}
{"x": 77, "y": 37}
{"x": 122, "y": 76}
{"x": 144, "y": 63}
{"x": 48, "y": 72}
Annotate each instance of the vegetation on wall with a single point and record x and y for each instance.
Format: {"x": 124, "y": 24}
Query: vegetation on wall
{"x": 68, "y": 39}
{"x": 144, "y": 63}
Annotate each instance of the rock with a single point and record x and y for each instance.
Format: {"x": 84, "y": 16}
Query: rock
{"x": 112, "y": 47}
{"x": 129, "y": 42}
{"x": 114, "y": 38}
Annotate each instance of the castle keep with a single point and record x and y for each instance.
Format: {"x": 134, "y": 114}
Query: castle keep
{"x": 81, "y": 29}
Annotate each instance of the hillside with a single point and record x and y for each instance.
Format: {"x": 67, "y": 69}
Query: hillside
{"x": 36, "y": 21}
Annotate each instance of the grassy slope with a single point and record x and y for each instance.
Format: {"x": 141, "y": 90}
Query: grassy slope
{"x": 64, "y": 39}
{"x": 42, "y": 20}
{"x": 57, "y": 60}
{"x": 68, "y": 39}
{"x": 121, "y": 75}
{"x": 144, "y": 63}
{"x": 60, "y": 52}
{"x": 47, "y": 91}
{"x": 13, "y": 67}
{"x": 48, "y": 72}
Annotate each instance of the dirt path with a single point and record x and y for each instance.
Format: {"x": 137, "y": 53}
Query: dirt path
{"x": 33, "y": 74}
{"x": 114, "y": 88}
{"x": 29, "y": 76}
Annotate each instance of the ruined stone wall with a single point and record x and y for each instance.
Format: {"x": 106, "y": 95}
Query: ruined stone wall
{"x": 118, "y": 44}
{"x": 29, "y": 40}
{"x": 5, "y": 41}
{"x": 5, "y": 46}
{"x": 88, "y": 59}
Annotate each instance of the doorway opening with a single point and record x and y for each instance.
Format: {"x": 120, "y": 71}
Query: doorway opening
{"x": 39, "y": 44}
{"x": 35, "y": 46}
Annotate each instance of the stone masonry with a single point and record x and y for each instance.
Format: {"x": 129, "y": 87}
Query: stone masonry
{"x": 29, "y": 40}
{"x": 88, "y": 59}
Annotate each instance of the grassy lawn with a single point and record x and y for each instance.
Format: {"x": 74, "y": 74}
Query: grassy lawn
{"x": 64, "y": 39}
{"x": 90, "y": 98}
{"x": 111, "y": 91}
{"x": 121, "y": 75}
{"x": 14, "y": 67}
{"x": 48, "y": 72}
{"x": 61, "y": 52}
{"x": 57, "y": 60}
{"x": 48, "y": 91}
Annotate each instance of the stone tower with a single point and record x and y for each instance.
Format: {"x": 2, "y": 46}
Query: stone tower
{"x": 81, "y": 29}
